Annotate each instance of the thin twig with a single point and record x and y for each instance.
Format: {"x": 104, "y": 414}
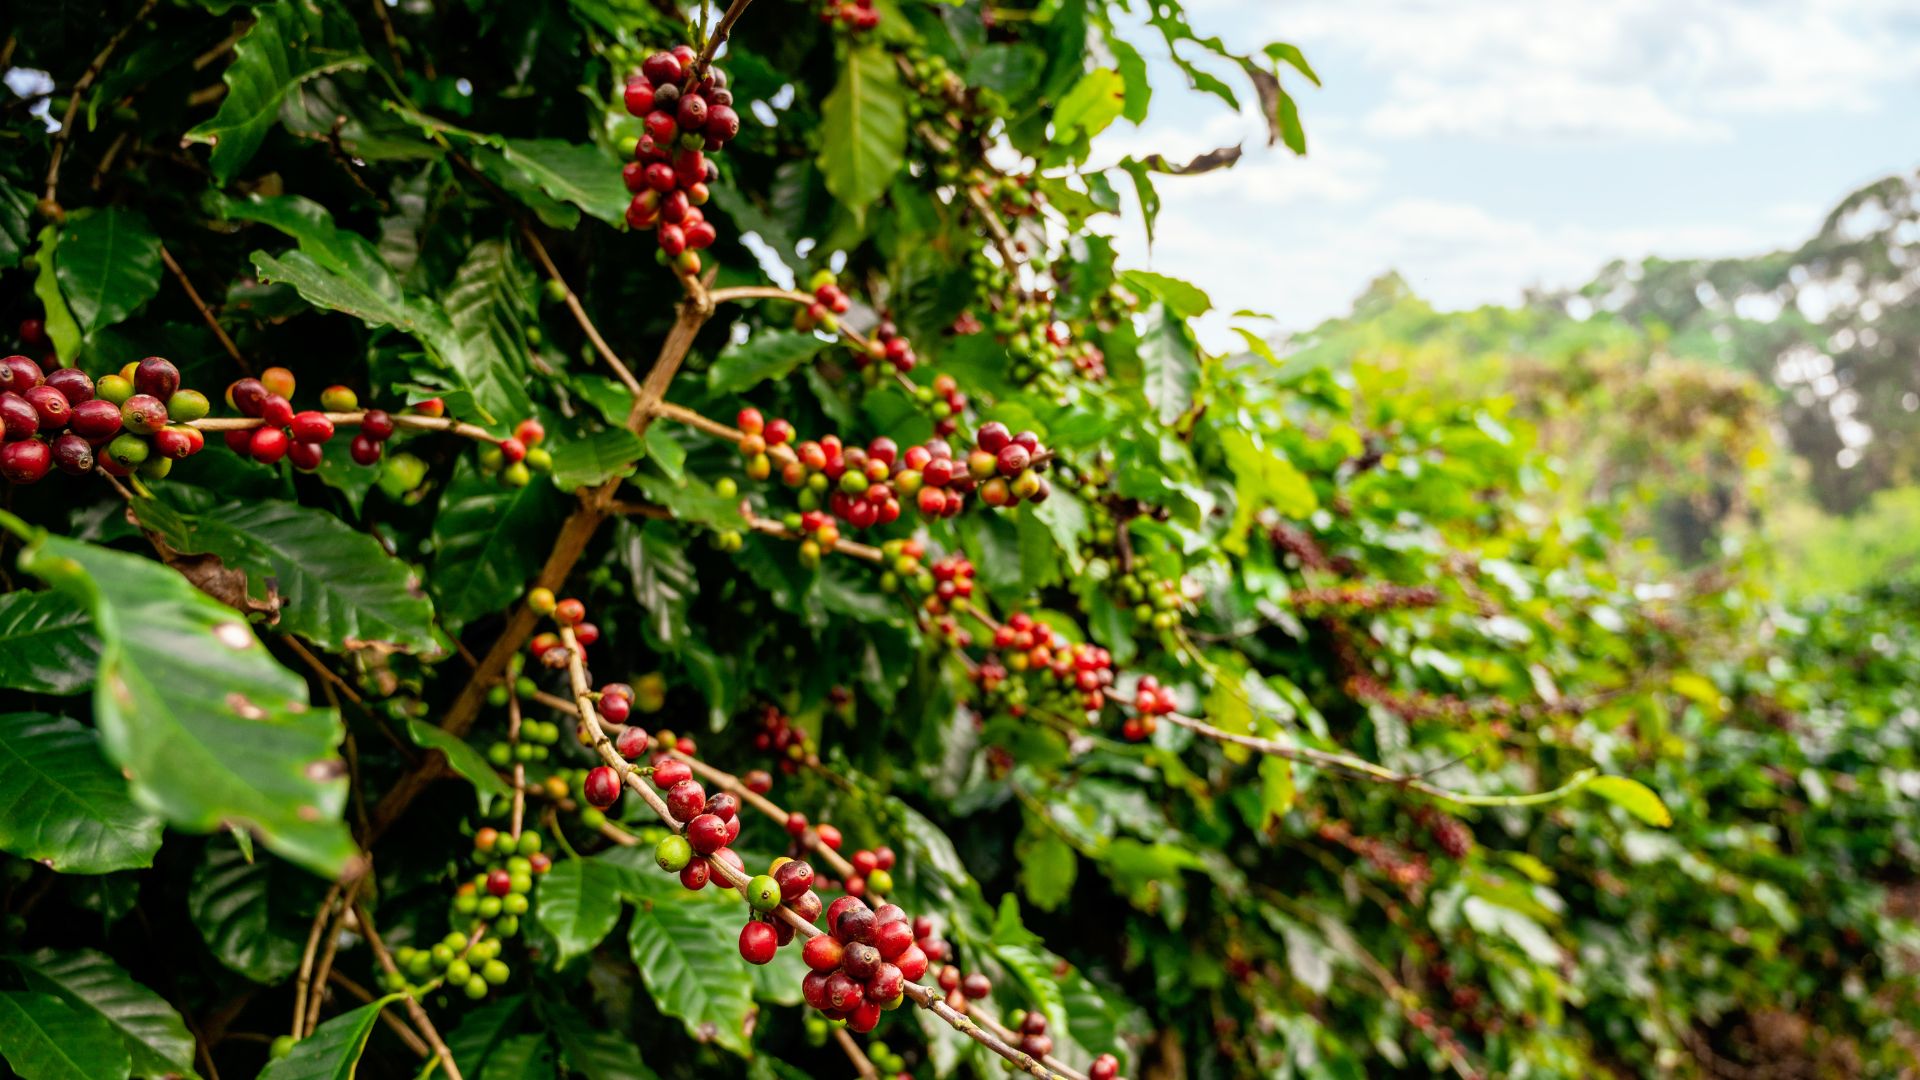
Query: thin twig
{"x": 519, "y": 767}
{"x": 325, "y": 966}
{"x": 358, "y": 417}
{"x": 79, "y": 92}
{"x": 206, "y": 313}
{"x": 734, "y": 11}
{"x": 862, "y": 1064}
{"x": 321, "y": 669}
{"x": 420, "y": 1018}
{"x": 305, "y": 980}
{"x": 620, "y": 369}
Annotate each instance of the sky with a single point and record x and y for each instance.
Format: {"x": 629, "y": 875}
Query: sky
{"x": 1480, "y": 147}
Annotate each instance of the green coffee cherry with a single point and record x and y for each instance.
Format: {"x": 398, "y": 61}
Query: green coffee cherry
{"x": 674, "y": 853}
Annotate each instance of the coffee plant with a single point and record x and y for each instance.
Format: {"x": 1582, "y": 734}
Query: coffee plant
{"x": 706, "y": 566}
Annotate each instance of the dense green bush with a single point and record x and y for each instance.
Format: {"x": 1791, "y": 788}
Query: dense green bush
{"x": 1436, "y": 772}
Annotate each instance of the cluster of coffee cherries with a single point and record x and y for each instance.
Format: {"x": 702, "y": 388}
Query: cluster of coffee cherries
{"x": 905, "y": 566}
{"x": 946, "y": 401}
{"x": 1080, "y": 670}
{"x": 136, "y": 419}
{"x": 687, "y": 113}
{"x": 888, "y": 346}
{"x": 781, "y": 737}
{"x": 712, "y": 823}
{"x": 537, "y": 738}
{"x": 500, "y": 892}
{"x": 830, "y": 302}
{"x": 872, "y": 872}
{"x": 860, "y": 967}
{"x": 455, "y": 961}
{"x": 298, "y": 436}
{"x": 858, "y": 16}
{"x": 547, "y": 647}
{"x": 517, "y": 457}
{"x": 1150, "y": 702}
{"x": 789, "y": 882}
{"x": 1409, "y": 870}
{"x": 952, "y": 584}
{"x": 1448, "y": 833}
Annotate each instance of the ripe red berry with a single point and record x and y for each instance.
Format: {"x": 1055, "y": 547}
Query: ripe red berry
{"x": 992, "y": 436}
{"x": 670, "y": 772}
{"x": 310, "y": 427}
{"x": 892, "y": 939}
{"x": 247, "y": 395}
{"x": 51, "y": 406}
{"x": 813, "y": 988}
{"x": 692, "y": 116}
{"x": 795, "y": 877}
{"x": 912, "y": 963}
{"x": 267, "y": 445}
{"x": 364, "y": 450}
{"x": 723, "y": 124}
{"x": 376, "y": 425}
{"x": 602, "y": 787}
{"x": 885, "y": 984}
{"x": 513, "y": 449}
{"x": 883, "y": 858}
{"x": 276, "y": 411}
{"x": 661, "y": 68}
{"x": 569, "y": 611}
{"x": 178, "y": 441}
{"x": 1104, "y": 1067}
{"x": 976, "y": 986}
{"x": 701, "y": 235}
{"x": 25, "y": 461}
{"x": 631, "y": 744}
{"x": 157, "y": 377}
{"x": 95, "y": 420}
{"x": 73, "y": 454}
{"x": 864, "y": 1018}
{"x": 73, "y": 384}
{"x": 639, "y": 96}
{"x": 863, "y": 862}
{"x": 707, "y": 833}
{"x": 686, "y": 800}
{"x": 758, "y": 943}
{"x": 856, "y": 927}
{"x": 829, "y": 836}
{"x": 822, "y": 953}
{"x": 614, "y": 707}
{"x": 696, "y": 874}
{"x": 499, "y": 882}
{"x": 673, "y": 239}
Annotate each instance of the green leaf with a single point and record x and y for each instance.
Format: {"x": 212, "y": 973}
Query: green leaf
{"x": 290, "y": 42}
{"x": 1291, "y": 55}
{"x": 47, "y": 645}
{"x": 1094, "y": 102}
{"x": 108, "y": 265}
{"x": 1263, "y": 478}
{"x": 482, "y": 1031}
{"x": 1142, "y": 174}
{"x": 522, "y": 1057}
{"x": 337, "y": 585}
{"x": 464, "y": 760}
{"x": 1133, "y": 75}
{"x": 685, "y": 945}
{"x": 596, "y": 458}
{"x": 1184, "y": 299}
{"x": 1170, "y": 360}
{"x": 253, "y": 915}
{"x": 1048, "y": 866}
{"x": 43, "y": 1038}
{"x": 769, "y": 354}
{"x": 16, "y": 225}
{"x": 62, "y": 804}
{"x": 663, "y": 581}
{"x": 333, "y": 1051}
{"x": 597, "y": 1053}
{"x": 489, "y": 542}
{"x": 579, "y": 902}
{"x": 1634, "y": 797}
{"x": 209, "y": 728}
{"x": 490, "y": 306}
{"x": 1010, "y": 70}
{"x": 61, "y": 329}
{"x": 585, "y": 175}
{"x": 863, "y": 130}
{"x": 90, "y": 982}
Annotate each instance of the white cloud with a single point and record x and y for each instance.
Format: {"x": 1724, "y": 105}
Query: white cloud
{"x": 1672, "y": 69}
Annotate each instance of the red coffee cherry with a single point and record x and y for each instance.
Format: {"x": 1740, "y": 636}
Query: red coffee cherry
{"x": 669, "y": 772}
{"x": 311, "y": 427}
{"x": 822, "y": 953}
{"x": 707, "y": 833}
{"x": 156, "y": 377}
{"x": 758, "y": 943}
{"x": 602, "y": 787}
{"x": 376, "y": 425}
{"x": 631, "y": 744}
{"x": 268, "y": 445}
{"x": 1104, "y": 1067}
{"x": 686, "y": 800}
{"x": 25, "y": 461}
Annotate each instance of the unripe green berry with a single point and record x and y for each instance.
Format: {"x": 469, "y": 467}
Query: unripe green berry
{"x": 763, "y": 893}
{"x": 673, "y": 853}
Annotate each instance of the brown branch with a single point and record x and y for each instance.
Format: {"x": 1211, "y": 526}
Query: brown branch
{"x": 734, "y": 11}
{"x": 420, "y": 1018}
{"x": 321, "y": 669}
{"x": 206, "y": 313}
{"x": 358, "y": 417}
{"x": 667, "y": 410}
{"x": 51, "y": 201}
{"x": 407, "y": 1035}
{"x": 925, "y": 997}
{"x": 519, "y": 767}
{"x": 325, "y": 966}
{"x": 306, "y": 960}
{"x": 862, "y": 1064}
{"x": 845, "y": 547}
{"x": 600, "y": 345}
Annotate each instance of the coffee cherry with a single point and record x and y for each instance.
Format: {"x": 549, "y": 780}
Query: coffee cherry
{"x": 661, "y": 68}
{"x": 363, "y": 450}
{"x": 686, "y": 800}
{"x": 310, "y": 426}
{"x": 760, "y": 781}
{"x": 673, "y": 853}
{"x": 94, "y": 420}
{"x": 306, "y": 456}
{"x": 246, "y": 395}
{"x": 707, "y": 833}
{"x": 128, "y": 451}
{"x": 838, "y": 909}
{"x": 763, "y": 893}
{"x": 863, "y": 862}
{"x": 376, "y": 425}
{"x": 602, "y": 787}
{"x": 912, "y": 963}
{"x": 569, "y": 611}
{"x": 758, "y": 943}
{"x": 864, "y": 1018}
{"x": 267, "y": 444}
{"x": 499, "y": 882}
{"x": 822, "y": 954}
{"x": 339, "y": 398}
{"x": 143, "y": 414}
{"x": 156, "y": 377}
{"x": 892, "y": 939}
{"x": 880, "y": 882}
{"x": 51, "y": 406}
{"x": 73, "y": 384}
{"x": 976, "y": 986}
{"x": 25, "y": 461}
{"x": 829, "y": 836}
{"x": 277, "y": 411}
{"x": 795, "y": 878}
{"x": 1104, "y": 1067}
{"x": 186, "y": 406}
{"x": 278, "y": 380}
{"x": 178, "y": 441}
{"x": 862, "y": 960}
{"x": 885, "y": 985}
{"x": 631, "y": 743}
{"x": 668, "y": 772}
{"x": 72, "y": 454}
{"x": 855, "y": 926}
{"x": 807, "y": 905}
{"x": 20, "y": 374}
{"x": 696, "y": 874}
